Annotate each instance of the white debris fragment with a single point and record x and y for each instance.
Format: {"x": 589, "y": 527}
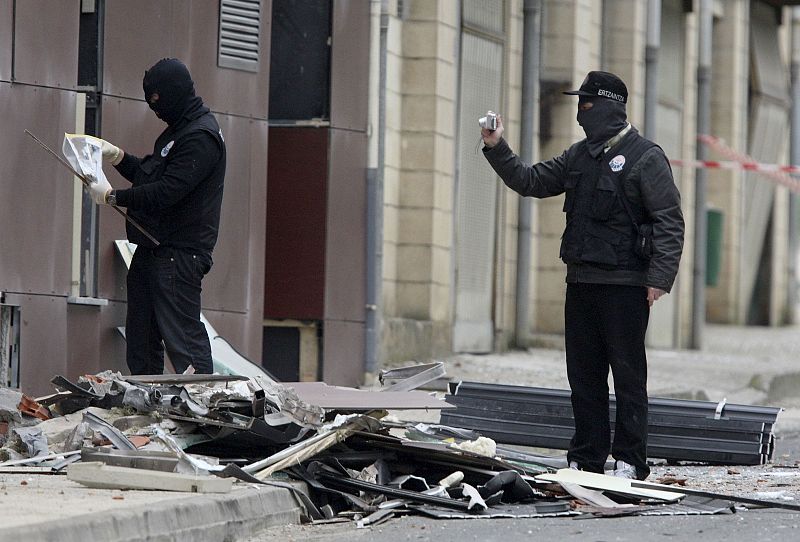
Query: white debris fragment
{"x": 782, "y": 495}
{"x": 482, "y": 446}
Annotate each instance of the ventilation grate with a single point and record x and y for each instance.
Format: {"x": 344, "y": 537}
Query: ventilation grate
{"x": 239, "y": 34}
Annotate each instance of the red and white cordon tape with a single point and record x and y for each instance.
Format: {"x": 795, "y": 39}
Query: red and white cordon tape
{"x": 741, "y": 161}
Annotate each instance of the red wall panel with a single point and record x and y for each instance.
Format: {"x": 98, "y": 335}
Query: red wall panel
{"x": 297, "y": 175}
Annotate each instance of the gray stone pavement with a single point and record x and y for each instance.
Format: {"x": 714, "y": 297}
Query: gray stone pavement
{"x": 745, "y": 365}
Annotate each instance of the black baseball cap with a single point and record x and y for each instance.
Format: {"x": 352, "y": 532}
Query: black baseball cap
{"x": 604, "y": 85}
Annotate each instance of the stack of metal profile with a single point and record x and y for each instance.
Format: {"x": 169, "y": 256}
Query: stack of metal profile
{"x": 678, "y": 430}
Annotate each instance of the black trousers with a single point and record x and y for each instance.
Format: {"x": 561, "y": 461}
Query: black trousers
{"x": 164, "y": 286}
{"x": 605, "y": 328}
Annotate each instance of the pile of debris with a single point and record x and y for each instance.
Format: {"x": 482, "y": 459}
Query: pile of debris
{"x": 202, "y": 433}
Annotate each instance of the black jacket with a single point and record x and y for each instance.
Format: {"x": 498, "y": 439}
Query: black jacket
{"x": 176, "y": 192}
{"x": 597, "y": 245}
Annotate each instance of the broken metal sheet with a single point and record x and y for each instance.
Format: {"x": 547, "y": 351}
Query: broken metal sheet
{"x": 437, "y": 433}
{"x": 58, "y": 465}
{"x": 235, "y": 421}
{"x": 117, "y": 438}
{"x": 476, "y": 502}
{"x": 612, "y": 483}
{"x": 411, "y": 378}
{"x": 62, "y": 383}
{"x": 509, "y": 511}
{"x": 342, "y": 398}
{"x": 721, "y": 496}
{"x": 376, "y": 518}
{"x": 102, "y": 476}
{"x": 311, "y": 511}
{"x": 183, "y": 379}
{"x": 592, "y": 497}
{"x": 414, "y": 496}
{"x": 34, "y": 440}
{"x": 198, "y": 465}
{"x": 29, "y": 460}
{"x": 691, "y": 506}
{"x": 290, "y": 404}
{"x": 29, "y": 470}
{"x": 134, "y": 459}
{"x": 308, "y": 448}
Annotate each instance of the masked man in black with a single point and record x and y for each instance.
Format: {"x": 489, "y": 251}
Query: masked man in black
{"x": 622, "y": 245}
{"x": 176, "y": 195}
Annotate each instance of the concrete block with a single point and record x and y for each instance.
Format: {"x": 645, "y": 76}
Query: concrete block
{"x": 102, "y": 476}
{"x": 414, "y": 263}
{"x": 413, "y": 299}
{"x": 415, "y": 225}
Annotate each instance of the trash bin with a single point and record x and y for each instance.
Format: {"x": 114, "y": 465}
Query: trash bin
{"x": 713, "y": 245}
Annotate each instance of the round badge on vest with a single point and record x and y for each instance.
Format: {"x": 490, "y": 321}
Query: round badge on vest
{"x": 617, "y": 163}
{"x": 168, "y": 146}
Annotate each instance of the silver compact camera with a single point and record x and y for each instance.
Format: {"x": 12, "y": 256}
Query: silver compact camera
{"x": 489, "y": 122}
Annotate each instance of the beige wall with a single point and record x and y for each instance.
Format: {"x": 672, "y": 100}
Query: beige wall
{"x": 422, "y": 106}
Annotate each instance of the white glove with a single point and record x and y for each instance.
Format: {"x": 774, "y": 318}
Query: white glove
{"x": 111, "y": 152}
{"x": 98, "y": 189}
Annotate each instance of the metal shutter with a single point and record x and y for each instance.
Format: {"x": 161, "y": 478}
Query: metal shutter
{"x": 476, "y": 197}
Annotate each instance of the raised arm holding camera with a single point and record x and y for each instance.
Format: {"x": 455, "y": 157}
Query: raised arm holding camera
{"x": 622, "y": 245}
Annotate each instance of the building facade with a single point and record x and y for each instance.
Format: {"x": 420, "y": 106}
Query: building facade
{"x": 361, "y": 225}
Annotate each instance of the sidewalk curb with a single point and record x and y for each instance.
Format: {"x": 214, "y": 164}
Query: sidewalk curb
{"x": 213, "y": 518}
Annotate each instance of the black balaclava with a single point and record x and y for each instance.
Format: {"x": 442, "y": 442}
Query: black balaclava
{"x": 605, "y": 119}
{"x": 170, "y": 78}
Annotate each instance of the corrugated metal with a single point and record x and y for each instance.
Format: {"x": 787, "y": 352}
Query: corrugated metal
{"x": 485, "y": 15}
{"x": 188, "y": 31}
{"x": 481, "y": 70}
{"x": 296, "y": 214}
{"x": 35, "y": 240}
{"x": 46, "y": 43}
{"x": 350, "y": 64}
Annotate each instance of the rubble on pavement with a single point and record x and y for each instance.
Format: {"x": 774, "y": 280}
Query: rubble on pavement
{"x": 205, "y": 433}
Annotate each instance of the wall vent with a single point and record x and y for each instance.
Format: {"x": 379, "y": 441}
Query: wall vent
{"x": 239, "y": 34}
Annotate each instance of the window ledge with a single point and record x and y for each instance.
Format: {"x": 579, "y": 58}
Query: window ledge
{"x": 92, "y": 301}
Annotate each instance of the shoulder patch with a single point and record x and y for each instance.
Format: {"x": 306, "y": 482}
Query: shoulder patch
{"x": 166, "y": 149}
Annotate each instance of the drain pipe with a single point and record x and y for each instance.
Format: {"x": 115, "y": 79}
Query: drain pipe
{"x": 705, "y": 27}
{"x": 794, "y": 158}
{"x": 651, "y": 67}
{"x": 379, "y": 24}
{"x": 531, "y": 50}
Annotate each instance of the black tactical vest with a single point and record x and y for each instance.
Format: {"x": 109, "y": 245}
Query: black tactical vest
{"x": 599, "y": 231}
{"x": 192, "y": 223}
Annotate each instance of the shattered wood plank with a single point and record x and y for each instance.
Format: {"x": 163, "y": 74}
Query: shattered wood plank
{"x": 102, "y": 476}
